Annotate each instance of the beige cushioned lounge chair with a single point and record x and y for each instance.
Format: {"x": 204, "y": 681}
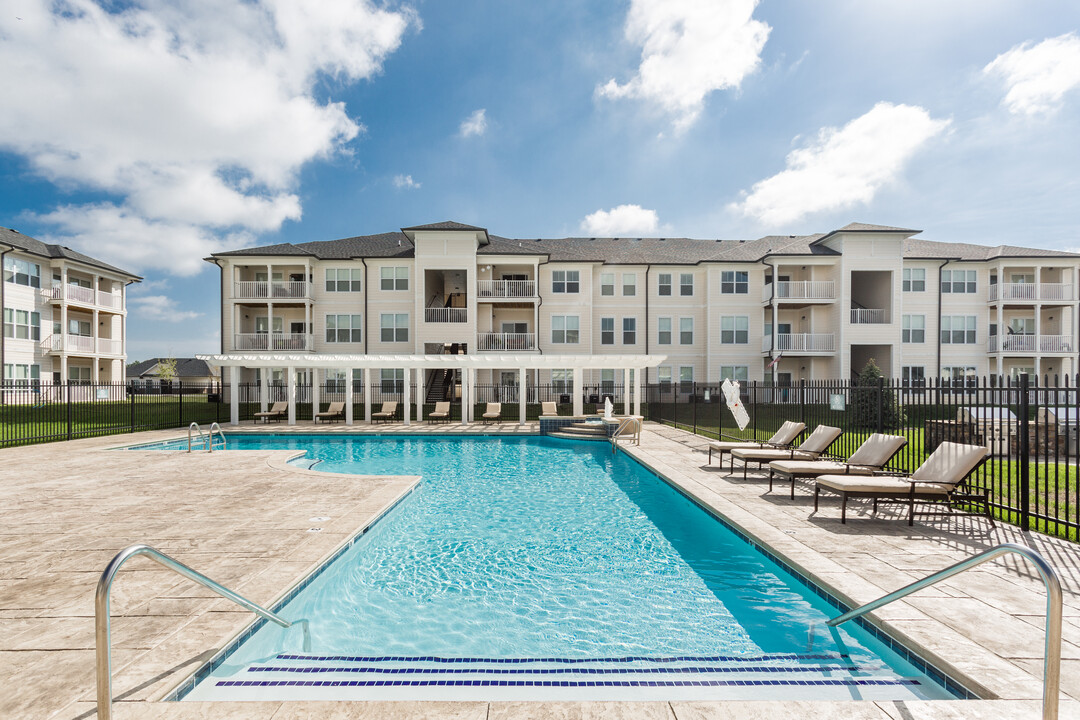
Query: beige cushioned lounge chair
{"x": 781, "y": 438}
{"x": 493, "y": 413}
{"x": 387, "y": 413}
{"x": 336, "y": 411}
{"x": 810, "y": 449}
{"x": 939, "y": 479}
{"x": 441, "y": 412}
{"x": 875, "y": 452}
{"x": 549, "y": 408}
{"x": 276, "y": 412}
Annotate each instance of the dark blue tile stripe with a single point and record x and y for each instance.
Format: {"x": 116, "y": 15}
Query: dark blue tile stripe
{"x": 567, "y": 661}
{"x": 692, "y": 670}
{"x": 846, "y": 682}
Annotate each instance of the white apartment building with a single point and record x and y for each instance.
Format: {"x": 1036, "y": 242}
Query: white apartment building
{"x": 823, "y": 303}
{"x": 65, "y": 315}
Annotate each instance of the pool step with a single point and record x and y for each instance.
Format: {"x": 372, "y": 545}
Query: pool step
{"x": 581, "y": 431}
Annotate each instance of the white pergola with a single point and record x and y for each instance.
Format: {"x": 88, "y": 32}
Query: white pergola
{"x": 468, "y": 364}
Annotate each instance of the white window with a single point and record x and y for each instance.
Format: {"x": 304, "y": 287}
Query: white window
{"x": 686, "y": 331}
{"x": 957, "y": 281}
{"x": 394, "y": 278}
{"x": 259, "y": 277}
{"x": 565, "y": 281}
{"x": 664, "y": 284}
{"x": 22, "y": 272}
{"x": 343, "y": 328}
{"x": 344, "y": 279}
{"x": 607, "y": 331}
{"x": 564, "y": 329}
{"x": 79, "y": 327}
{"x": 607, "y": 382}
{"x": 1016, "y": 372}
{"x": 734, "y": 282}
{"x": 959, "y": 376}
{"x": 629, "y": 284}
{"x": 392, "y": 380}
{"x": 78, "y": 375}
{"x": 394, "y": 327}
{"x": 335, "y": 381}
{"x": 663, "y": 329}
{"x": 629, "y": 331}
{"x": 958, "y": 329}
{"x": 914, "y": 330}
{"x": 16, "y": 375}
{"x": 607, "y": 284}
{"x": 1017, "y": 326}
{"x": 562, "y": 381}
{"x": 914, "y": 279}
{"x": 734, "y": 330}
{"x": 261, "y": 324}
{"x": 22, "y": 324}
{"x": 913, "y": 376}
{"x": 686, "y": 284}
{"x": 686, "y": 378}
{"x": 739, "y": 373}
{"x": 663, "y": 376}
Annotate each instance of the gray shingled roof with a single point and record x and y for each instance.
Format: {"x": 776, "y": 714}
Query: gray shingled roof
{"x": 28, "y": 244}
{"x": 445, "y": 225}
{"x": 931, "y": 249}
{"x": 185, "y": 367}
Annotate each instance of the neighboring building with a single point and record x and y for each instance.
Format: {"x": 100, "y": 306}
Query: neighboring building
{"x": 65, "y": 314}
{"x": 197, "y": 373}
{"x": 716, "y": 308}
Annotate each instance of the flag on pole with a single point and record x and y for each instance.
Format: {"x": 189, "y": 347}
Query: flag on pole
{"x": 775, "y": 360}
{"x": 731, "y": 394}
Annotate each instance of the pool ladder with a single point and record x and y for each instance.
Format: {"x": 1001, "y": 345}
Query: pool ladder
{"x": 629, "y": 426}
{"x": 207, "y": 437}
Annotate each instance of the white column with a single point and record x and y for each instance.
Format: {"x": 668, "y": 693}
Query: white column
{"x": 367, "y": 395}
{"x": 626, "y": 391}
{"x": 407, "y": 399}
{"x": 292, "y": 394}
{"x": 234, "y": 396}
{"x": 307, "y": 327}
{"x": 349, "y": 394}
{"x": 419, "y": 394}
{"x": 464, "y": 396}
{"x": 235, "y": 328}
{"x": 270, "y": 326}
{"x": 637, "y": 390}
{"x": 264, "y": 391}
{"x": 315, "y": 399}
{"x": 579, "y": 408}
{"x": 521, "y": 396}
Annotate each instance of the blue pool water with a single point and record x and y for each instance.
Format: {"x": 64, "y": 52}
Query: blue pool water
{"x": 526, "y": 567}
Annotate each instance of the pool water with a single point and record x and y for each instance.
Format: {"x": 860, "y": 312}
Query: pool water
{"x": 538, "y": 568}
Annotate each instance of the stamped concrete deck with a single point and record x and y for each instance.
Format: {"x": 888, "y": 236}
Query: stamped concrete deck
{"x": 244, "y": 518}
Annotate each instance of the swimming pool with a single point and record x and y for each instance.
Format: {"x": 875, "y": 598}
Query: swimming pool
{"x": 538, "y": 568}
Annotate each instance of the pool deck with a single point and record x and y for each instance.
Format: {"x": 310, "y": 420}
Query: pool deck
{"x": 246, "y": 519}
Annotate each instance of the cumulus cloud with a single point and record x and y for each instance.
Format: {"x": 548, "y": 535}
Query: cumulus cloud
{"x": 194, "y": 117}
{"x": 842, "y": 167}
{"x": 160, "y": 308}
{"x": 1037, "y": 76}
{"x": 689, "y": 48}
{"x": 621, "y": 221}
{"x": 405, "y": 182}
{"x": 475, "y": 124}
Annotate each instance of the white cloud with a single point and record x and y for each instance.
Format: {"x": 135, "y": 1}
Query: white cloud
{"x": 689, "y": 49}
{"x": 475, "y": 124}
{"x": 1037, "y": 76}
{"x": 195, "y": 116}
{"x": 842, "y": 167}
{"x": 621, "y": 221}
{"x": 405, "y": 182}
{"x": 160, "y": 308}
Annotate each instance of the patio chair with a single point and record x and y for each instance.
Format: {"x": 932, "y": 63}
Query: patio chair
{"x": 441, "y": 413}
{"x": 493, "y": 413}
{"x": 336, "y": 411}
{"x": 387, "y": 414}
{"x": 873, "y": 455}
{"x": 781, "y": 438}
{"x": 276, "y": 412}
{"x": 941, "y": 478}
{"x": 549, "y": 408}
{"x": 811, "y": 448}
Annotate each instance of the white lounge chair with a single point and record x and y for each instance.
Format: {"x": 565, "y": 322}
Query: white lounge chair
{"x": 387, "y": 413}
{"x": 440, "y": 413}
{"x": 336, "y": 411}
{"x": 493, "y": 413}
{"x": 781, "y": 438}
{"x": 276, "y": 412}
{"x": 810, "y": 449}
{"x": 873, "y": 455}
{"x": 549, "y": 408}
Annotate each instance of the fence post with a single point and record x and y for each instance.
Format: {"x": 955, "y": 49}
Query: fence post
{"x": 880, "y": 404}
{"x": 753, "y": 400}
{"x": 67, "y": 388}
{"x": 1025, "y": 454}
{"x": 180, "y": 391}
{"x": 802, "y": 400}
{"x": 131, "y": 391}
{"x": 693, "y": 391}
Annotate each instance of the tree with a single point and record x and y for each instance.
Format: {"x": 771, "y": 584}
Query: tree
{"x": 167, "y": 369}
{"x": 864, "y": 401}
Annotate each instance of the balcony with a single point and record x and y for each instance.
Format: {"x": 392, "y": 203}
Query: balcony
{"x": 799, "y": 290}
{"x": 1031, "y": 344}
{"x": 277, "y": 341}
{"x": 499, "y": 289}
{"x": 84, "y": 296}
{"x": 108, "y": 346}
{"x": 69, "y": 344}
{"x": 446, "y": 315}
{"x": 869, "y": 316}
{"x": 513, "y": 342}
{"x": 1032, "y": 292}
{"x": 801, "y": 343}
{"x": 275, "y": 290}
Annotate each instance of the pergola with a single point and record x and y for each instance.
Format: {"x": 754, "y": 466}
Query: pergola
{"x": 468, "y": 364}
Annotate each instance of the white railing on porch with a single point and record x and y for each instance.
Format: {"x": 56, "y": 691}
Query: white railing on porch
{"x": 261, "y": 289}
{"x": 108, "y": 346}
{"x": 277, "y": 341}
{"x": 109, "y": 300}
{"x": 800, "y": 290}
{"x": 505, "y": 288}
{"x": 1031, "y": 344}
{"x": 800, "y": 342}
{"x": 446, "y": 315}
{"x": 59, "y": 342}
{"x": 1031, "y": 291}
{"x": 506, "y": 341}
{"x": 869, "y": 316}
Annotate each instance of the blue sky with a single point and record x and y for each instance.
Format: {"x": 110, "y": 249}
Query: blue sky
{"x": 152, "y": 133}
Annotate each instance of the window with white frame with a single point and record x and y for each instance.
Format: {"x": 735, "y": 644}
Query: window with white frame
{"x": 913, "y": 376}
{"x": 1016, "y": 371}
{"x": 629, "y": 284}
{"x": 738, "y": 373}
{"x": 394, "y": 327}
{"x": 343, "y": 328}
{"x": 734, "y": 282}
{"x": 958, "y": 329}
{"x": 914, "y": 280}
{"x": 629, "y": 331}
{"x": 607, "y": 284}
{"x": 663, "y": 376}
{"x": 958, "y": 281}
{"x": 16, "y": 375}
{"x": 392, "y": 380}
{"x": 914, "y": 329}
{"x": 607, "y": 331}
{"x": 22, "y": 324}
{"x": 686, "y": 331}
{"x": 1022, "y": 326}
{"x": 663, "y": 287}
{"x": 959, "y": 376}
{"x": 565, "y": 329}
{"x": 562, "y": 380}
{"x": 686, "y": 284}
{"x": 394, "y": 278}
{"x": 565, "y": 281}
{"x": 22, "y": 272}
{"x": 344, "y": 279}
{"x": 335, "y": 380}
{"x": 686, "y": 378}
{"x": 78, "y": 375}
{"x": 663, "y": 331}
{"x": 81, "y": 328}
{"x": 734, "y": 330}
{"x": 607, "y": 382}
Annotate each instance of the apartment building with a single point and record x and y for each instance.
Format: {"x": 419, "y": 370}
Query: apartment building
{"x": 778, "y": 307}
{"x": 65, "y": 315}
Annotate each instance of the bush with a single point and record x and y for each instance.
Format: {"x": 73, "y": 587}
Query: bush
{"x": 865, "y": 393}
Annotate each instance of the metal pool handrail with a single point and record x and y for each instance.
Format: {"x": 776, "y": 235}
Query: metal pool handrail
{"x": 102, "y": 642}
{"x": 1052, "y": 659}
{"x": 210, "y": 438}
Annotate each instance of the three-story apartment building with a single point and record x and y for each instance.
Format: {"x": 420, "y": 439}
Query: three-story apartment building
{"x": 65, "y": 315}
{"x": 823, "y": 304}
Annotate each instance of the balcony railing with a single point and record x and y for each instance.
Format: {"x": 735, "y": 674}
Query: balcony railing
{"x": 1031, "y": 291}
{"x": 109, "y": 300}
{"x": 60, "y": 342}
{"x": 800, "y": 290}
{"x": 506, "y": 341}
{"x": 801, "y": 343}
{"x": 1031, "y": 344}
{"x": 446, "y": 315}
{"x": 85, "y": 295}
{"x": 108, "y": 346}
{"x": 869, "y": 316}
{"x": 506, "y": 288}
{"x": 277, "y": 341}
{"x": 276, "y": 289}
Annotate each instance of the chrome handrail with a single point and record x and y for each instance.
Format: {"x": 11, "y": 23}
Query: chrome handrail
{"x": 210, "y": 437}
{"x": 102, "y": 642}
{"x": 197, "y": 429}
{"x": 1052, "y": 653}
{"x": 630, "y": 421}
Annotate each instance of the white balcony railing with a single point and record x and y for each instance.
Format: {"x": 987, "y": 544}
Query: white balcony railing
{"x": 506, "y": 341}
{"x": 800, "y": 290}
{"x": 263, "y": 290}
{"x": 277, "y": 341}
{"x": 801, "y": 343}
{"x": 85, "y": 295}
{"x": 60, "y": 342}
{"x": 109, "y": 300}
{"x": 505, "y": 288}
{"x": 1031, "y": 291}
{"x": 446, "y": 315}
{"x": 108, "y": 346}
{"x": 869, "y": 316}
{"x": 1031, "y": 344}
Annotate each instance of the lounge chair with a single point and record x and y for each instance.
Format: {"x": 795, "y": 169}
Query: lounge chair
{"x": 441, "y": 413}
{"x": 811, "y": 448}
{"x": 387, "y": 413}
{"x": 873, "y": 455}
{"x": 276, "y": 412}
{"x": 940, "y": 478}
{"x": 336, "y": 411}
{"x": 493, "y": 413}
{"x": 549, "y": 408}
{"x": 781, "y": 438}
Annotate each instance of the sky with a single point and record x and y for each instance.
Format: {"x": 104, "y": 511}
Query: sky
{"x": 151, "y": 134}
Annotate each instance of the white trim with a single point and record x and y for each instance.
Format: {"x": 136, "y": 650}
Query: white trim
{"x": 487, "y": 361}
